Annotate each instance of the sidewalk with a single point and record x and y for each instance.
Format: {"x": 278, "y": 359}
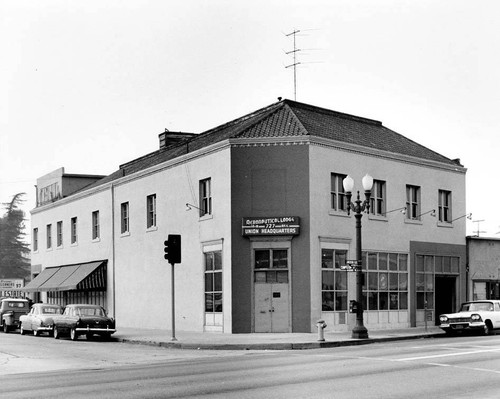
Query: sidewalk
{"x": 285, "y": 341}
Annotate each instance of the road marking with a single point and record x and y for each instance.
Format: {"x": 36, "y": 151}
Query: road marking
{"x": 407, "y": 359}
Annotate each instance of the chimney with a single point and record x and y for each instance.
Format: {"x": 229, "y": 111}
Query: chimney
{"x": 168, "y": 138}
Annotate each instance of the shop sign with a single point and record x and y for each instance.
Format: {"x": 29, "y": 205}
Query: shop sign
{"x": 9, "y": 287}
{"x": 271, "y": 226}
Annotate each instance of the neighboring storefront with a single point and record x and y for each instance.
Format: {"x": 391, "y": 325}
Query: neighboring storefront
{"x": 483, "y": 268}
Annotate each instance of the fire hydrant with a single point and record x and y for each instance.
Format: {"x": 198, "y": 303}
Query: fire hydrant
{"x": 321, "y": 329}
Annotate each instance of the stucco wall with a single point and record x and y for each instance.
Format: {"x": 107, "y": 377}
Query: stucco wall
{"x": 284, "y": 194}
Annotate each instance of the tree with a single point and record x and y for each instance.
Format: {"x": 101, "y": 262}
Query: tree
{"x": 14, "y": 251}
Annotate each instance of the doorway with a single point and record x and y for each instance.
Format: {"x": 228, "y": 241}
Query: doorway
{"x": 445, "y": 291}
{"x": 271, "y": 290}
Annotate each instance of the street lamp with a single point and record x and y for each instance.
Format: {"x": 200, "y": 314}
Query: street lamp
{"x": 358, "y": 207}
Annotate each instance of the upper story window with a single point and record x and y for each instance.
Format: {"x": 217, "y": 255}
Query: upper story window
{"x": 377, "y": 200}
{"x": 95, "y": 225}
{"x": 151, "y": 211}
{"x": 74, "y": 231}
{"x": 205, "y": 197}
{"x": 444, "y": 206}
{"x": 412, "y": 202}
{"x": 59, "y": 233}
{"x": 49, "y": 236}
{"x": 337, "y": 193}
{"x": 124, "y": 209}
{"x": 35, "y": 239}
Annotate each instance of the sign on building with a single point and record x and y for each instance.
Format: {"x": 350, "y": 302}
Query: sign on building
{"x": 10, "y": 287}
{"x": 270, "y": 226}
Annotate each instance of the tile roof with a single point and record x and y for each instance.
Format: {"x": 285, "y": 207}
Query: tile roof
{"x": 291, "y": 119}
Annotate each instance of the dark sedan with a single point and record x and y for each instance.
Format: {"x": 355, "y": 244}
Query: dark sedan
{"x": 80, "y": 319}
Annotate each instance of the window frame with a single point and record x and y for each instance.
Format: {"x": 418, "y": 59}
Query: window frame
{"x": 74, "y": 230}
{"x": 444, "y": 206}
{"x": 96, "y": 227}
{"x": 151, "y": 211}
{"x": 377, "y": 199}
{"x": 35, "y": 239}
{"x": 49, "y": 236}
{"x": 212, "y": 277}
{"x": 339, "y": 276}
{"x": 413, "y": 202}
{"x": 338, "y": 198}
{"x": 205, "y": 200}
{"x": 59, "y": 233}
{"x": 125, "y": 217}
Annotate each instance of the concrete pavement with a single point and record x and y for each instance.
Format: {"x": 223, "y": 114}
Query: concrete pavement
{"x": 283, "y": 341}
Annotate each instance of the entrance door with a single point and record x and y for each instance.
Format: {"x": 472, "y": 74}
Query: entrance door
{"x": 445, "y": 295}
{"x": 271, "y": 307}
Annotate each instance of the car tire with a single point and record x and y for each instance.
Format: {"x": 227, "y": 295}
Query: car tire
{"x": 56, "y": 333}
{"x": 73, "y": 335}
{"x": 21, "y": 329}
{"x": 5, "y": 328}
{"x": 487, "y": 328}
{"x": 35, "y": 333}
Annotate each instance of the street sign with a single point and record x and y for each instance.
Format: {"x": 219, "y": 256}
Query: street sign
{"x": 353, "y": 262}
{"x": 350, "y": 268}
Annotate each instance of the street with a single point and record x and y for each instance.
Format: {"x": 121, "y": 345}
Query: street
{"x": 456, "y": 367}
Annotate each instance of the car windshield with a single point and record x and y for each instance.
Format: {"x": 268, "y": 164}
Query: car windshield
{"x": 90, "y": 312}
{"x": 51, "y": 310}
{"x": 476, "y": 306}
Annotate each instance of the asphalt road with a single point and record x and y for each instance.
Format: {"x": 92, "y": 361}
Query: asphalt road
{"x": 458, "y": 367}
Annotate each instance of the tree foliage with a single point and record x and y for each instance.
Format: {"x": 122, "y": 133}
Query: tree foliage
{"x": 14, "y": 251}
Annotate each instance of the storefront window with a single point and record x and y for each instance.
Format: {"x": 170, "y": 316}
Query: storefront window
{"x": 334, "y": 280}
{"x": 386, "y": 281}
{"x": 426, "y": 267}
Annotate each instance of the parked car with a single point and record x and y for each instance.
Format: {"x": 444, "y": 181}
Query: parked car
{"x": 10, "y": 311}
{"x": 482, "y": 316}
{"x": 40, "y": 318}
{"x": 79, "y": 319}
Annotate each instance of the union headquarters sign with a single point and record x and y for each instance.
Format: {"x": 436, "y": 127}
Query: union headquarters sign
{"x": 271, "y": 226}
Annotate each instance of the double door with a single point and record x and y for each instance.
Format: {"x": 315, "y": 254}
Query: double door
{"x": 271, "y": 308}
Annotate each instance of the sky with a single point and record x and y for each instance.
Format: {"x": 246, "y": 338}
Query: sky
{"x": 89, "y": 85}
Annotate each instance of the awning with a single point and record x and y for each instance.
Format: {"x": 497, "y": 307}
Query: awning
{"x": 84, "y": 276}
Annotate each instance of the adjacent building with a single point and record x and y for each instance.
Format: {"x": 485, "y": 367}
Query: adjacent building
{"x": 262, "y": 212}
{"x": 483, "y": 268}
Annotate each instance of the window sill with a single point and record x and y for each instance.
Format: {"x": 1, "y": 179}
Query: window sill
{"x": 74, "y": 244}
{"x": 98, "y": 239}
{"x": 126, "y": 234}
{"x": 413, "y": 221}
{"x": 380, "y": 218}
{"x": 333, "y": 212}
{"x": 59, "y": 247}
{"x": 152, "y": 228}
{"x": 206, "y": 217}
{"x": 448, "y": 225}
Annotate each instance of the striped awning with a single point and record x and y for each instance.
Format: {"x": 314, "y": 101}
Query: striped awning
{"x": 84, "y": 276}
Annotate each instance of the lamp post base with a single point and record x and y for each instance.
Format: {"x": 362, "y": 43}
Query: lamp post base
{"x": 359, "y": 332}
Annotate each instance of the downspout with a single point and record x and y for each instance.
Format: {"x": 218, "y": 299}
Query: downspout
{"x": 113, "y": 251}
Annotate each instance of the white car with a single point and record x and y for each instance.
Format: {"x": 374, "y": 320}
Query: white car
{"x": 482, "y": 316}
{"x": 39, "y": 319}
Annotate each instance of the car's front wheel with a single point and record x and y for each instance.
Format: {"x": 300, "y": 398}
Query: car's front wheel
{"x": 73, "y": 335}
{"x": 487, "y": 328}
{"x": 5, "y": 328}
{"x": 56, "y": 333}
{"x": 35, "y": 333}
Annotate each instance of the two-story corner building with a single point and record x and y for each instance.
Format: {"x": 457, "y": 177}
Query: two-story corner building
{"x": 262, "y": 212}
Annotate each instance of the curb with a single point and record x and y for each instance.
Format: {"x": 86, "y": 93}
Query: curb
{"x": 275, "y": 346}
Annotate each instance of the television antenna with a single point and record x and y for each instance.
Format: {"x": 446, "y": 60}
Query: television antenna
{"x": 295, "y": 62}
{"x": 478, "y": 231}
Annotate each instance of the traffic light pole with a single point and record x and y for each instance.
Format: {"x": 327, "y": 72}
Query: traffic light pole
{"x": 173, "y": 301}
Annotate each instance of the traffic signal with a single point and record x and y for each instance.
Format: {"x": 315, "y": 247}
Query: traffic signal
{"x": 173, "y": 248}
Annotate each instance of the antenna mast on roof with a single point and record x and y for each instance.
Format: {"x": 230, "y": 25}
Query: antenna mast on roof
{"x": 478, "y": 231}
{"x": 295, "y": 63}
